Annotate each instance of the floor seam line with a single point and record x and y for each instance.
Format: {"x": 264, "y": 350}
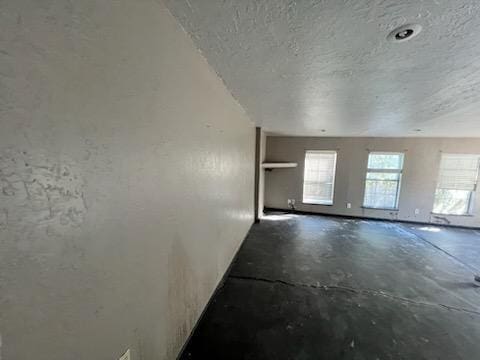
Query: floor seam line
{"x": 356, "y": 291}
{"x": 408, "y": 231}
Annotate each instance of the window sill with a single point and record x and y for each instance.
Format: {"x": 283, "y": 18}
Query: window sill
{"x": 375, "y": 208}
{"x": 312, "y": 203}
{"x": 463, "y": 215}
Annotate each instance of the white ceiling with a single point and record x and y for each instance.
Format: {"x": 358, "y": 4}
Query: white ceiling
{"x": 298, "y": 67}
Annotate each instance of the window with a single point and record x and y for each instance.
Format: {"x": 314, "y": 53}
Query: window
{"x": 382, "y": 185}
{"x": 457, "y": 182}
{"x": 319, "y": 177}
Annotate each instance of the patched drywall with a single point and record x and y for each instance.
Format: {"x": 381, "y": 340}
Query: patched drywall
{"x": 126, "y": 180}
{"x": 40, "y": 192}
{"x": 419, "y": 179}
{"x": 302, "y": 66}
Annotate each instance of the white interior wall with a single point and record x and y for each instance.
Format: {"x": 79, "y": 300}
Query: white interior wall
{"x": 126, "y": 180}
{"x": 422, "y": 160}
{"x": 261, "y": 178}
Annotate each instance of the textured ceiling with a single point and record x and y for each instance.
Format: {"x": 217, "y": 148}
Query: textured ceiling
{"x": 298, "y": 67}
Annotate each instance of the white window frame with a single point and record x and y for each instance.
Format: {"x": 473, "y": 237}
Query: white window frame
{"x": 472, "y": 197}
{"x": 313, "y": 202}
{"x": 389, "y": 171}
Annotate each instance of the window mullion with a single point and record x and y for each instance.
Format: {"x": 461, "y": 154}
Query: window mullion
{"x": 389, "y": 171}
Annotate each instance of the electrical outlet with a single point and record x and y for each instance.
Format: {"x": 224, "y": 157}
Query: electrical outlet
{"x": 417, "y": 211}
{"x": 291, "y": 203}
{"x": 125, "y": 356}
{"x": 349, "y": 205}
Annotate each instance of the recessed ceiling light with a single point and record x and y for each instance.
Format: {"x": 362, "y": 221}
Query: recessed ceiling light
{"x": 323, "y": 130}
{"x": 417, "y": 130}
{"x": 404, "y": 33}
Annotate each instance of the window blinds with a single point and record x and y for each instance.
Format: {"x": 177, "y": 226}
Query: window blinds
{"x": 458, "y": 172}
{"x": 319, "y": 177}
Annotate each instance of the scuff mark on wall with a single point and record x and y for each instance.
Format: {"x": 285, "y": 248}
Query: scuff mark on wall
{"x": 37, "y": 191}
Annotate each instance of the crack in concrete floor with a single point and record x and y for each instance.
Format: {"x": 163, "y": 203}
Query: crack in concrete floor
{"x": 355, "y": 291}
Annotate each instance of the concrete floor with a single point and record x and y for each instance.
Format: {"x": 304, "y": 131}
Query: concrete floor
{"x": 313, "y": 287}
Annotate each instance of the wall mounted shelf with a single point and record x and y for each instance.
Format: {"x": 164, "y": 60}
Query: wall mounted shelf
{"x": 279, "y": 165}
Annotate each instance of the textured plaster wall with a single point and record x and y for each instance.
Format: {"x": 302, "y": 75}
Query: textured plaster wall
{"x": 422, "y": 160}
{"x": 126, "y": 180}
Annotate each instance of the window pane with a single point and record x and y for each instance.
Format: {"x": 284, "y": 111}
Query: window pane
{"x": 319, "y": 177}
{"x": 381, "y": 193}
{"x": 382, "y": 184}
{"x": 454, "y": 202}
{"x": 385, "y": 161}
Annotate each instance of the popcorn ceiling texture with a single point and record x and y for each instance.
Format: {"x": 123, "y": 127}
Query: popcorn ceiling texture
{"x": 302, "y": 66}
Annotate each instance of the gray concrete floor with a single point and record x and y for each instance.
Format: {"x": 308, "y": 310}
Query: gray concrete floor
{"x": 313, "y": 287}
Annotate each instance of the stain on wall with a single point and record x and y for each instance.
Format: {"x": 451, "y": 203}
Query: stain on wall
{"x": 181, "y": 279}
